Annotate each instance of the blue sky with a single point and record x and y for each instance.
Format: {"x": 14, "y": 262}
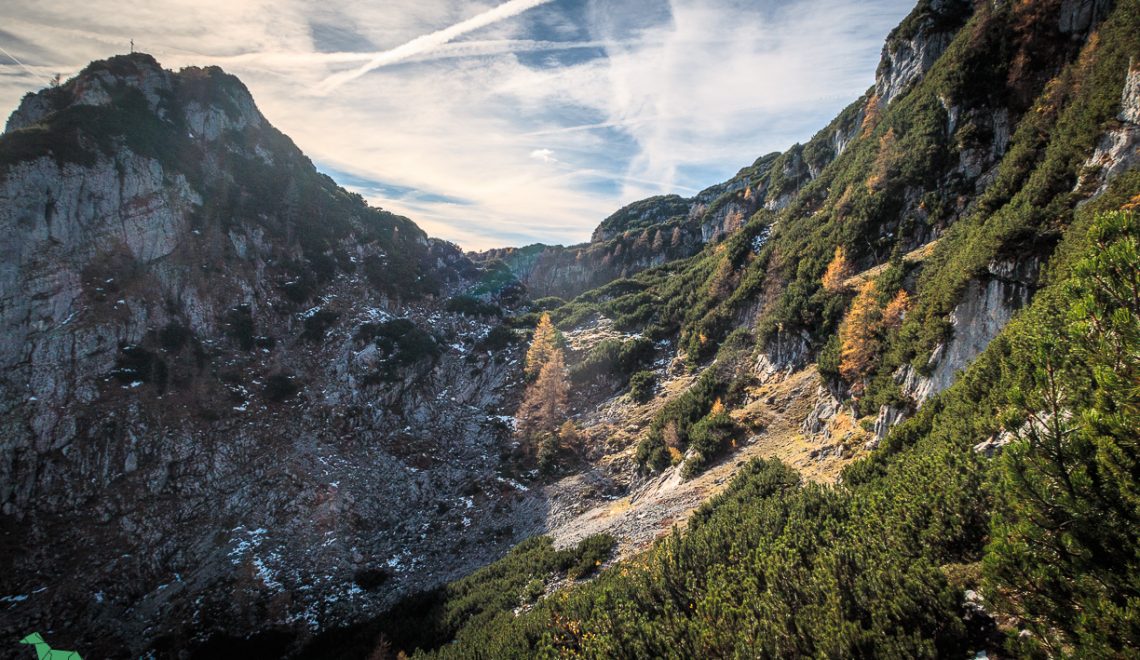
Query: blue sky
{"x": 500, "y": 122}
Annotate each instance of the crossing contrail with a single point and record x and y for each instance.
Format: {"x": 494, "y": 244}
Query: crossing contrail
{"x": 22, "y": 65}
{"x": 431, "y": 40}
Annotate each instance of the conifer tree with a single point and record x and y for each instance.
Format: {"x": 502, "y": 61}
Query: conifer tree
{"x": 546, "y": 402}
{"x": 859, "y": 337}
{"x": 1065, "y": 554}
{"x": 676, "y": 239}
{"x": 837, "y": 271}
{"x": 542, "y": 346}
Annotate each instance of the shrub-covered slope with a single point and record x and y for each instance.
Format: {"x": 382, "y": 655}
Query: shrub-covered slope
{"x": 960, "y": 270}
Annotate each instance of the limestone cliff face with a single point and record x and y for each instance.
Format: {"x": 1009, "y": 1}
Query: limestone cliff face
{"x": 991, "y": 301}
{"x": 986, "y": 307}
{"x": 914, "y": 46}
{"x": 211, "y": 421}
{"x": 1119, "y": 149}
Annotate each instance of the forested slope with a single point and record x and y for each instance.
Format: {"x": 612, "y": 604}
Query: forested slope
{"x": 996, "y": 509}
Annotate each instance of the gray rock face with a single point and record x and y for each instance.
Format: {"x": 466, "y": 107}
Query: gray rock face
{"x": 911, "y": 52}
{"x": 59, "y": 223}
{"x": 986, "y": 308}
{"x": 615, "y": 252}
{"x": 1119, "y": 149}
{"x": 788, "y": 350}
{"x": 817, "y": 420}
{"x": 888, "y": 417}
{"x": 907, "y": 62}
{"x": 197, "y": 434}
{"x": 1077, "y": 16}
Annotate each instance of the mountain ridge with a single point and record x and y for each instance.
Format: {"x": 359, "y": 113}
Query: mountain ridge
{"x": 297, "y": 410}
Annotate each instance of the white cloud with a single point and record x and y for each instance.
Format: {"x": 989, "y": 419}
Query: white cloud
{"x": 505, "y": 134}
{"x": 545, "y": 155}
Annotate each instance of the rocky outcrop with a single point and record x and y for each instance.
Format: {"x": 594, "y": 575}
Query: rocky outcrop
{"x": 888, "y": 417}
{"x": 565, "y": 272}
{"x": 914, "y": 47}
{"x": 1079, "y": 16}
{"x": 229, "y": 396}
{"x": 1119, "y": 149}
{"x": 986, "y": 307}
{"x": 907, "y": 61}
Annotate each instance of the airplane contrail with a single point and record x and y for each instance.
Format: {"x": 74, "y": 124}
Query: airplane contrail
{"x": 431, "y": 40}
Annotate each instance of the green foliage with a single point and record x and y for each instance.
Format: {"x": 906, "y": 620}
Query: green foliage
{"x": 239, "y": 326}
{"x": 173, "y": 336}
{"x": 371, "y": 579}
{"x": 135, "y": 363}
{"x": 828, "y": 360}
{"x": 1066, "y": 543}
{"x": 876, "y": 566}
{"x": 401, "y": 343}
{"x": 775, "y": 568}
{"x": 680, "y": 413}
{"x": 317, "y": 323}
{"x": 642, "y": 386}
{"x": 770, "y": 568}
{"x": 549, "y": 453}
{"x": 591, "y": 553}
{"x": 496, "y": 280}
{"x": 280, "y": 386}
{"x": 718, "y": 383}
{"x": 500, "y": 337}
{"x": 472, "y": 306}
{"x": 486, "y": 598}
{"x": 547, "y": 304}
{"x": 707, "y": 439}
{"x": 614, "y": 360}
{"x": 643, "y": 214}
{"x": 281, "y": 194}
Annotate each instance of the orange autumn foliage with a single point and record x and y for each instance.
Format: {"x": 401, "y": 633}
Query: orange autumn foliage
{"x": 837, "y": 271}
{"x": 896, "y": 310}
{"x": 859, "y": 337}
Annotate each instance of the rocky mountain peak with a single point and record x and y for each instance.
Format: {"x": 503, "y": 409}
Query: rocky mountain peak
{"x": 206, "y": 100}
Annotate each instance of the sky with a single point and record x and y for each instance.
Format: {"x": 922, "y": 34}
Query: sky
{"x": 495, "y": 122}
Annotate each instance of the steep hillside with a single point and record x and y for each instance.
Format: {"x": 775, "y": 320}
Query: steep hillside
{"x": 944, "y": 278}
{"x": 232, "y": 396}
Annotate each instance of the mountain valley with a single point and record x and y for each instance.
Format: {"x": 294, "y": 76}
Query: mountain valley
{"x": 873, "y": 395}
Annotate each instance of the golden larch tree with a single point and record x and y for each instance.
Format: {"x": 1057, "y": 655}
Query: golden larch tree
{"x": 859, "y": 337}
{"x": 837, "y": 271}
{"x": 871, "y": 114}
{"x": 896, "y": 310}
{"x": 886, "y": 162}
{"x": 546, "y": 402}
{"x": 542, "y": 346}
{"x": 676, "y": 238}
{"x": 570, "y": 436}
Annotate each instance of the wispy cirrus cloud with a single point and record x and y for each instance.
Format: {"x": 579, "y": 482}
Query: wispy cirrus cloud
{"x": 490, "y": 122}
{"x": 427, "y": 42}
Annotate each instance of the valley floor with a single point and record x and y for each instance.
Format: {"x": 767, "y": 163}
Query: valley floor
{"x": 585, "y": 503}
